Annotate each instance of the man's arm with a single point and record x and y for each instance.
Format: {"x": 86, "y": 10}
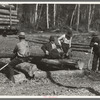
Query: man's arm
{"x": 44, "y": 49}
{"x": 15, "y": 49}
{"x": 60, "y": 38}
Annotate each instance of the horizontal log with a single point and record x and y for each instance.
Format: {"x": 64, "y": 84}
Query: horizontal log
{"x": 7, "y": 19}
{"x": 7, "y": 12}
{"x": 67, "y": 73}
{"x": 82, "y": 47}
{"x": 64, "y": 63}
{"x": 81, "y": 50}
{"x": 4, "y": 27}
{"x": 47, "y": 40}
{"x": 6, "y": 6}
{"x": 6, "y": 22}
{"x": 8, "y": 16}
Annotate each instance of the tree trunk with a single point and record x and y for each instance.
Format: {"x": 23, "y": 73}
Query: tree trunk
{"x": 92, "y": 13}
{"x": 47, "y": 16}
{"x": 78, "y": 17}
{"x": 89, "y": 18}
{"x": 39, "y": 16}
{"x": 36, "y": 15}
{"x": 54, "y": 14}
{"x": 73, "y": 15}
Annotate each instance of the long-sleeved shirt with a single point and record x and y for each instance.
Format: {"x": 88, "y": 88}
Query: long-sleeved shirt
{"x": 65, "y": 40}
{"x": 95, "y": 43}
{"x": 22, "y": 49}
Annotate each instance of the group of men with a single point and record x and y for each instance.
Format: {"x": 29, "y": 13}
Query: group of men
{"x": 56, "y": 48}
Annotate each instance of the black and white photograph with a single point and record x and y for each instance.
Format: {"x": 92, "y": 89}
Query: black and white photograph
{"x": 49, "y": 49}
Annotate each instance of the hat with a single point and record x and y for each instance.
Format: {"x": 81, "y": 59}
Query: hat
{"x": 94, "y": 34}
{"x": 52, "y": 38}
{"x": 21, "y": 35}
{"x": 69, "y": 34}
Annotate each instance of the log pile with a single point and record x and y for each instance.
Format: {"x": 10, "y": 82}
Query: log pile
{"x": 8, "y": 16}
{"x": 81, "y": 47}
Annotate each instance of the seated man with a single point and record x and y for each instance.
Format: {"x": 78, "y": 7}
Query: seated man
{"x": 65, "y": 42}
{"x": 51, "y": 50}
{"x": 22, "y": 53}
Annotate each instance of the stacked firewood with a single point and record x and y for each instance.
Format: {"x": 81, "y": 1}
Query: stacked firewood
{"x": 8, "y": 16}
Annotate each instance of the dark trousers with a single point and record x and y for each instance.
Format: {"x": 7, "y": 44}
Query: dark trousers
{"x": 95, "y": 61}
{"x": 65, "y": 47}
{"x": 11, "y": 67}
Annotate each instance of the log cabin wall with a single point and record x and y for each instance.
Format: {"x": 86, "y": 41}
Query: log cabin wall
{"x": 8, "y": 17}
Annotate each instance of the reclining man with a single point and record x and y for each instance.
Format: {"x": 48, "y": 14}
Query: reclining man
{"x": 51, "y": 50}
{"x": 22, "y": 53}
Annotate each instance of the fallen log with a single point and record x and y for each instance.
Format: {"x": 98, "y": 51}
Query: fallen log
{"x": 81, "y": 50}
{"x": 7, "y": 12}
{"x": 63, "y": 63}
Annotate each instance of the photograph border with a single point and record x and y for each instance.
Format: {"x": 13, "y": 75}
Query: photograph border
{"x": 51, "y": 97}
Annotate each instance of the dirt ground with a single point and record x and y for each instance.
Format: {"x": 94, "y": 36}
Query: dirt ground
{"x": 57, "y": 85}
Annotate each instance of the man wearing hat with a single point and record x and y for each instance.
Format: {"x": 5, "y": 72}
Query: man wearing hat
{"x": 65, "y": 42}
{"x": 50, "y": 49}
{"x": 95, "y": 44}
{"x": 22, "y": 53}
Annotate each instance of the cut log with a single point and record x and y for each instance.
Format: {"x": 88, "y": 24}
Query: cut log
{"x": 7, "y": 22}
{"x": 27, "y": 68}
{"x": 3, "y": 27}
{"x": 7, "y": 12}
{"x": 6, "y": 6}
{"x": 67, "y": 73}
{"x": 7, "y": 19}
{"x": 7, "y": 16}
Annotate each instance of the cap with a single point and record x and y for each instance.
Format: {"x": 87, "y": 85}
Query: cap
{"x": 21, "y": 35}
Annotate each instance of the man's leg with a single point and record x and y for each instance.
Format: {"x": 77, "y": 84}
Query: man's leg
{"x": 94, "y": 63}
{"x": 11, "y": 65}
{"x": 99, "y": 65}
